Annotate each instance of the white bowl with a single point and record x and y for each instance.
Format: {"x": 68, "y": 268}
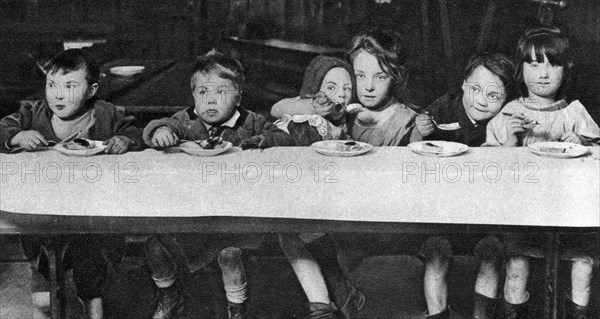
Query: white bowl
{"x": 127, "y": 70}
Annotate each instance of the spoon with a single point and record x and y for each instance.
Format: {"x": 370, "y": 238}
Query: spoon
{"x": 444, "y": 127}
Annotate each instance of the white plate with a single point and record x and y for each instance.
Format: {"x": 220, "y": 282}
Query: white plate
{"x": 445, "y": 148}
{"x": 336, "y": 148}
{"x": 127, "y": 70}
{"x": 98, "y": 147}
{"x": 558, "y": 149}
{"x": 194, "y": 149}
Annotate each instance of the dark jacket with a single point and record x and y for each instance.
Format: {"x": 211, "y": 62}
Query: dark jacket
{"x": 109, "y": 121}
{"x": 188, "y": 126}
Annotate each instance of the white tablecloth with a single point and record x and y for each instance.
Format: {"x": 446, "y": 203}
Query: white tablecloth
{"x": 493, "y": 186}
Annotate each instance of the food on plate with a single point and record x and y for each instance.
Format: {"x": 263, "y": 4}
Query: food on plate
{"x": 349, "y": 146}
{"x": 431, "y": 148}
{"x": 79, "y": 144}
{"x": 554, "y": 150}
{"x": 212, "y": 143}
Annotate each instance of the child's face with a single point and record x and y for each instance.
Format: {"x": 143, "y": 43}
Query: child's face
{"x": 542, "y": 78}
{"x": 337, "y": 84}
{"x": 483, "y": 94}
{"x": 215, "y": 98}
{"x": 66, "y": 93}
{"x": 373, "y": 85}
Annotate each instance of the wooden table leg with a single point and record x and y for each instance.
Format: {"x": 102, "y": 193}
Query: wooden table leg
{"x": 551, "y": 278}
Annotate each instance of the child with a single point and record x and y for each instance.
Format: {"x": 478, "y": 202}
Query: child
{"x": 381, "y": 81}
{"x": 486, "y": 86}
{"x": 216, "y": 85}
{"x": 70, "y": 106}
{"x": 544, "y": 66}
{"x": 328, "y": 83}
{"x": 327, "y": 88}
{"x": 381, "y": 87}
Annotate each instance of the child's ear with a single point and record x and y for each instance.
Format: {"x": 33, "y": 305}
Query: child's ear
{"x": 92, "y": 90}
{"x": 239, "y": 98}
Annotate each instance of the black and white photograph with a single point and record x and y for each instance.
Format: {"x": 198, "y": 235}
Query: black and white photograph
{"x": 299, "y": 159}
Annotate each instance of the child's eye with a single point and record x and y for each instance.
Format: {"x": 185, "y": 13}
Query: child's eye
{"x": 348, "y": 89}
{"x": 493, "y": 97}
{"x": 330, "y": 87}
{"x": 201, "y": 92}
{"x": 360, "y": 76}
{"x": 381, "y": 77}
{"x": 475, "y": 89}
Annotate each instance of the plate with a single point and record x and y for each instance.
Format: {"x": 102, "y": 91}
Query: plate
{"x": 127, "y": 70}
{"x": 341, "y": 148}
{"x": 438, "y": 148}
{"x": 97, "y": 148}
{"x": 194, "y": 149}
{"x": 558, "y": 149}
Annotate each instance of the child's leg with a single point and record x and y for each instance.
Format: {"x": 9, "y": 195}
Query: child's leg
{"x": 234, "y": 280}
{"x": 164, "y": 270}
{"x": 516, "y": 296}
{"x": 346, "y": 296}
{"x": 581, "y": 278}
{"x": 306, "y": 268}
{"x": 437, "y": 253}
{"x": 489, "y": 252}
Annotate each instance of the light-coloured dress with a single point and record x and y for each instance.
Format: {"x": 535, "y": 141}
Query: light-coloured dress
{"x": 554, "y": 120}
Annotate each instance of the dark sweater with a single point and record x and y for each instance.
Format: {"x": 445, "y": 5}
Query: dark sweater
{"x": 188, "y": 126}
{"x": 449, "y": 109}
{"x": 109, "y": 121}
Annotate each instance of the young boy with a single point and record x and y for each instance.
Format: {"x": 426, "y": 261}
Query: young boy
{"x": 486, "y": 87}
{"x": 216, "y": 84}
{"x": 70, "y": 106}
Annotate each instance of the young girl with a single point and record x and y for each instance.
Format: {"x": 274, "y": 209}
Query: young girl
{"x": 544, "y": 66}
{"x": 327, "y": 88}
{"x": 216, "y": 85}
{"x": 486, "y": 86}
{"x": 381, "y": 87}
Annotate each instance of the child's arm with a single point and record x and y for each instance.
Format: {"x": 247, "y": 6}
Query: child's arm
{"x": 266, "y": 134}
{"x": 320, "y": 105}
{"x": 126, "y": 135}
{"x": 166, "y": 131}
{"x": 15, "y": 130}
{"x": 585, "y": 130}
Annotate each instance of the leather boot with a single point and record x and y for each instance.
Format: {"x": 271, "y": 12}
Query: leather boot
{"x": 511, "y": 311}
{"x": 575, "y": 311}
{"x": 484, "y": 307}
{"x": 442, "y": 315}
{"x": 319, "y": 310}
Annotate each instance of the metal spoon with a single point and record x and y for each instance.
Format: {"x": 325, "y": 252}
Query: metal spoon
{"x": 444, "y": 127}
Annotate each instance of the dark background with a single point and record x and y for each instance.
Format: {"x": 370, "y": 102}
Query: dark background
{"x": 33, "y": 30}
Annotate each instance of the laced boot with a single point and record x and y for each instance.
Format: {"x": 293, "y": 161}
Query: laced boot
{"x": 442, "y": 315}
{"x": 575, "y": 311}
{"x": 319, "y": 310}
{"x": 511, "y": 311}
{"x": 236, "y": 310}
{"x": 169, "y": 303}
{"x": 485, "y": 307}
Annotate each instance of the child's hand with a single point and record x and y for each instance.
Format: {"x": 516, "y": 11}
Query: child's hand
{"x": 117, "y": 144}
{"x": 514, "y": 128}
{"x": 323, "y": 106}
{"x": 164, "y": 137}
{"x": 571, "y": 137}
{"x": 424, "y": 124}
{"x": 257, "y": 141}
{"x": 29, "y": 140}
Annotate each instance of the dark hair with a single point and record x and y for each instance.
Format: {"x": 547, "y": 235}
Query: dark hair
{"x": 224, "y": 66}
{"x": 386, "y": 47}
{"x": 317, "y": 70}
{"x": 500, "y": 65}
{"x": 73, "y": 60}
{"x": 549, "y": 41}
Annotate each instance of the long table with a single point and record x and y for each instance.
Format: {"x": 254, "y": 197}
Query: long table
{"x": 294, "y": 189}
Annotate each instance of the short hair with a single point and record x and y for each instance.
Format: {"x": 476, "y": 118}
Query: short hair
{"x": 73, "y": 60}
{"x": 500, "y": 65}
{"x": 549, "y": 41}
{"x": 222, "y": 65}
{"x": 387, "y": 48}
